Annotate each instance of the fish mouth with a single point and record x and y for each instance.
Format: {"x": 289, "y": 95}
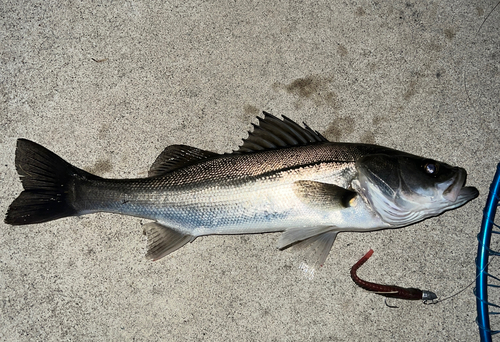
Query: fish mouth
{"x": 457, "y": 192}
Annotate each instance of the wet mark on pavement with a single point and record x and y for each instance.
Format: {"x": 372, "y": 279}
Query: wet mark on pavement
{"x": 251, "y": 110}
{"x": 360, "y": 12}
{"x": 101, "y": 167}
{"x": 342, "y": 50}
{"x": 339, "y": 128}
{"x": 450, "y": 33}
{"x": 311, "y": 88}
{"x": 411, "y": 90}
{"x": 368, "y": 138}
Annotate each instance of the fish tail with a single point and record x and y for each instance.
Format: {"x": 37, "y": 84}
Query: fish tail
{"x": 49, "y": 185}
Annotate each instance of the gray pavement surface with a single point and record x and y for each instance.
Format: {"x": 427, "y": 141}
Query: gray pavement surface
{"x": 108, "y": 85}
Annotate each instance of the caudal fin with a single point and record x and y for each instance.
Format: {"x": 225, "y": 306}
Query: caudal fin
{"x": 49, "y": 183}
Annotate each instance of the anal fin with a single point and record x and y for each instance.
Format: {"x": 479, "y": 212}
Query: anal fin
{"x": 163, "y": 240}
{"x": 295, "y": 235}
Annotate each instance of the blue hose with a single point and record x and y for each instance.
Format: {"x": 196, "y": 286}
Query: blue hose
{"x": 483, "y": 253}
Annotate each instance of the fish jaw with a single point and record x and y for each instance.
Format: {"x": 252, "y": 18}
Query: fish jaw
{"x": 456, "y": 185}
{"x": 458, "y": 192}
{"x": 465, "y": 195}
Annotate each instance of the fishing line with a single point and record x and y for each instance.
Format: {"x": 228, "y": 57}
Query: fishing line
{"x": 437, "y": 301}
{"x": 482, "y": 124}
{"x": 475, "y": 36}
{"x": 484, "y": 237}
{"x": 498, "y": 3}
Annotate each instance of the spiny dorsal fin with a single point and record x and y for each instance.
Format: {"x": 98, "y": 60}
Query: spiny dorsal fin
{"x": 273, "y": 133}
{"x": 177, "y": 156}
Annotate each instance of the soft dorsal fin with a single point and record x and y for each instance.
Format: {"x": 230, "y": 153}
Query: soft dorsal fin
{"x": 177, "y": 156}
{"x": 272, "y": 133}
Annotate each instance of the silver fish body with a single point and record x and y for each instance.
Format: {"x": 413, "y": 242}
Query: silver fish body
{"x": 283, "y": 178}
{"x": 240, "y": 193}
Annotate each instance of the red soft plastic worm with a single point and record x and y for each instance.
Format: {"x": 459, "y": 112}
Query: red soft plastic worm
{"x": 391, "y": 291}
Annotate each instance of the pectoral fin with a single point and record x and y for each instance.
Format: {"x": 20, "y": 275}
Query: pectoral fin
{"x": 323, "y": 195}
{"x": 163, "y": 240}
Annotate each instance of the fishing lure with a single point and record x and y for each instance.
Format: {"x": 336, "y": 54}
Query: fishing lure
{"x": 391, "y": 291}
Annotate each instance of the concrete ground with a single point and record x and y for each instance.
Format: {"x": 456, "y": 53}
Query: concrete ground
{"x": 108, "y": 85}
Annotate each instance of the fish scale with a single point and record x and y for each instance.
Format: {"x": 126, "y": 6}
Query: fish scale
{"x": 218, "y": 206}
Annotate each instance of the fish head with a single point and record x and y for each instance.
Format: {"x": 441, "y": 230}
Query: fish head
{"x": 403, "y": 189}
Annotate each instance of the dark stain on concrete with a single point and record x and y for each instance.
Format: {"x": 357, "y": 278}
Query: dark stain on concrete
{"x": 101, "y": 167}
{"x": 104, "y": 131}
{"x": 276, "y": 86}
{"x": 342, "y": 50}
{"x": 339, "y": 128}
{"x": 450, "y": 33}
{"x": 304, "y": 87}
{"x": 372, "y": 67}
{"x": 411, "y": 90}
{"x": 251, "y": 110}
{"x": 368, "y": 138}
{"x": 378, "y": 120}
{"x": 435, "y": 47}
{"x": 313, "y": 88}
{"x": 359, "y": 12}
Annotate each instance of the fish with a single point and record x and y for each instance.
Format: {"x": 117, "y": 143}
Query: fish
{"x": 284, "y": 178}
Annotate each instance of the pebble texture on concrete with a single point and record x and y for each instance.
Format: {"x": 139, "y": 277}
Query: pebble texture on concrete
{"x": 108, "y": 85}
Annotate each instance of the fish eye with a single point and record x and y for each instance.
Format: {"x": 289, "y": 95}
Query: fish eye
{"x": 431, "y": 168}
